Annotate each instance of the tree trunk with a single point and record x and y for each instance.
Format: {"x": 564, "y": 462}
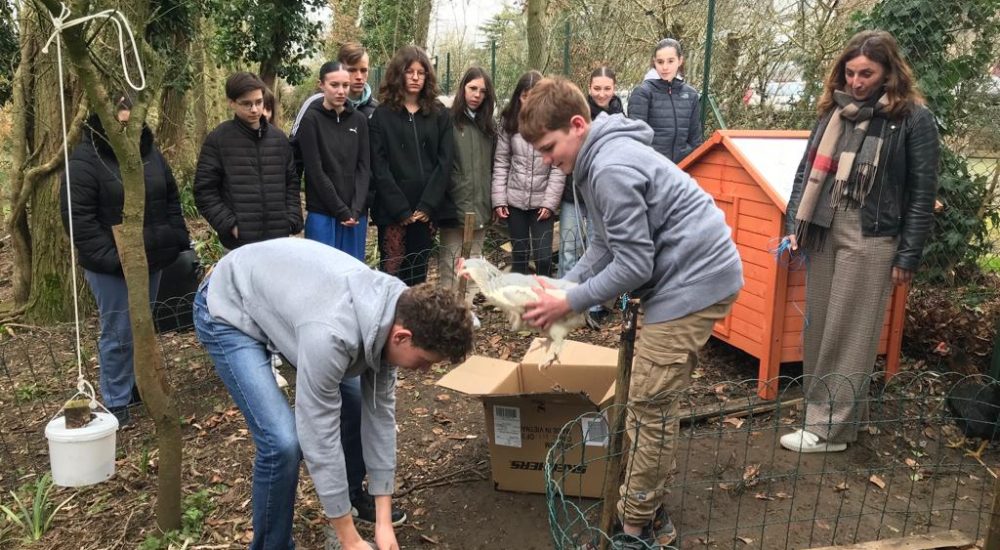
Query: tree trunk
{"x": 148, "y": 363}
{"x": 42, "y": 281}
{"x": 200, "y": 86}
{"x": 171, "y": 131}
{"x": 269, "y": 74}
{"x": 423, "y": 22}
{"x": 538, "y": 51}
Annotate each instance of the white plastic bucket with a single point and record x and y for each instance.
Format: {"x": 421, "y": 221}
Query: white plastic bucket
{"x": 82, "y": 456}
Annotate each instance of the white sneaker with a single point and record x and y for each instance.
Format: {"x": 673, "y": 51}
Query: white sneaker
{"x": 275, "y": 362}
{"x": 802, "y": 441}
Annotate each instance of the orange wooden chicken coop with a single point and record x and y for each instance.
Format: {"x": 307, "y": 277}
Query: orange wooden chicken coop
{"x": 750, "y": 174}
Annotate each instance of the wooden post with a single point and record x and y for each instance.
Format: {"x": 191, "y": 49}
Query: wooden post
{"x": 467, "y": 233}
{"x": 616, "y": 420}
{"x": 897, "y": 318}
{"x": 993, "y": 535}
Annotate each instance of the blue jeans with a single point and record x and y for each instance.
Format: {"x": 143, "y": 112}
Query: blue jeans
{"x": 327, "y": 230}
{"x": 571, "y": 238}
{"x": 114, "y": 346}
{"x": 350, "y": 434}
{"x": 244, "y": 365}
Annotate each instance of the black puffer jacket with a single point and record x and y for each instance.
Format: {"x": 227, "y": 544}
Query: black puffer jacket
{"x": 614, "y": 107}
{"x": 412, "y": 158}
{"x": 98, "y": 198}
{"x": 901, "y": 201}
{"x": 673, "y": 111}
{"x": 246, "y": 179}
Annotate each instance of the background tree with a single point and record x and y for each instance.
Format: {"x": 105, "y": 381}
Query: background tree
{"x": 951, "y": 47}
{"x": 387, "y": 25}
{"x": 9, "y": 51}
{"x": 42, "y": 285}
{"x": 276, "y": 35}
{"x": 538, "y": 51}
{"x": 172, "y": 33}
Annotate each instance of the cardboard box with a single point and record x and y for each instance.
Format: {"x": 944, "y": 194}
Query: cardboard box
{"x": 526, "y": 408}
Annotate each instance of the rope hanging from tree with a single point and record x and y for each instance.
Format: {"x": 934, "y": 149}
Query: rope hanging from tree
{"x": 60, "y": 22}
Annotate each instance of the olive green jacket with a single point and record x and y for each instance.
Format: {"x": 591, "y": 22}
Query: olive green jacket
{"x": 472, "y": 173}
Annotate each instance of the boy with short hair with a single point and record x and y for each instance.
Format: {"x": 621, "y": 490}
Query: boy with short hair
{"x": 245, "y": 185}
{"x": 658, "y": 236}
{"x": 335, "y": 319}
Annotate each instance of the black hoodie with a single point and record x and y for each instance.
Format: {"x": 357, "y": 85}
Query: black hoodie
{"x": 98, "y": 197}
{"x": 335, "y": 153}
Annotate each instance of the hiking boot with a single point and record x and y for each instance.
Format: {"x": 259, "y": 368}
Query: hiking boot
{"x": 663, "y": 531}
{"x": 363, "y": 510}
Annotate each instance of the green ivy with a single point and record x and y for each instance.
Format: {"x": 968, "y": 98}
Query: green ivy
{"x": 259, "y": 31}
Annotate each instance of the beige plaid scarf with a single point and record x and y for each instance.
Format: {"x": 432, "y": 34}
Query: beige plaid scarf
{"x": 832, "y": 176}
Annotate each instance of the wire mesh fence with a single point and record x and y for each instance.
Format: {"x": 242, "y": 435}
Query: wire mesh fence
{"x": 912, "y": 470}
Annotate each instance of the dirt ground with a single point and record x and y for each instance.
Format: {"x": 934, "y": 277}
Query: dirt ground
{"x": 733, "y": 489}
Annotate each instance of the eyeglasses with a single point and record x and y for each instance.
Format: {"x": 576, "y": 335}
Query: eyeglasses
{"x": 247, "y": 104}
{"x": 410, "y": 73}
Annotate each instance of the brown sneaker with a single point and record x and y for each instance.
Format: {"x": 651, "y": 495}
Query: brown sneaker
{"x": 664, "y": 533}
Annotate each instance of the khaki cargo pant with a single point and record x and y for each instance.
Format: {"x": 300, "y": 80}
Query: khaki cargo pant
{"x": 665, "y": 356}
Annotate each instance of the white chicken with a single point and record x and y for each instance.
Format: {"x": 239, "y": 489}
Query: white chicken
{"x": 511, "y": 292}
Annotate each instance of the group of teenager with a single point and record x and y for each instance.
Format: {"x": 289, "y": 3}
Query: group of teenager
{"x": 860, "y": 207}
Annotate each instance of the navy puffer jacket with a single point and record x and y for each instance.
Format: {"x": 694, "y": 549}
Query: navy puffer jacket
{"x": 98, "y": 197}
{"x": 672, "y": 110}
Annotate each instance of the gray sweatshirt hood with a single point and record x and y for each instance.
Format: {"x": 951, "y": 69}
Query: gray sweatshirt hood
{"x": 605, "y": 131}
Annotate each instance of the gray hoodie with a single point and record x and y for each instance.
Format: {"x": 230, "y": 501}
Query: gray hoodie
{"x": 657, "y": 234}
{"x": 330, "y": 315}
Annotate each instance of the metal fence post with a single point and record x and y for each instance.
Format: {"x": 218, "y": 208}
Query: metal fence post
{"x": 493, "y": 61}
{"x": 709, "y": 37}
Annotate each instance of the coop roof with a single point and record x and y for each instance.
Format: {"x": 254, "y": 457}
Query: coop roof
{"x": 769, "y": 156}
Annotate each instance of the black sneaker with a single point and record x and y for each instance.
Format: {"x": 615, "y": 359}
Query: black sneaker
{"x": 363, "y": 510}
{"x": 123, "y": 415}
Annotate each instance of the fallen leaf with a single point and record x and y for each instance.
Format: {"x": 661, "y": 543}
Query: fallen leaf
{"x": 420, "y": 411}
{"x": 842, "y": 486}
{"x": 698, "y": 373}
{"x": 733, "y": 421}
{"x": 911, "y": 463}
{"x": 442, "y": 397}
{"x": 762, "y": 496}
{"x": 877, "y": 481}
{"x": 822, "y": 524}
{"x": 745, "y": 540}
{"x": 430, "y": 540}
{"x": 437, "y": 431}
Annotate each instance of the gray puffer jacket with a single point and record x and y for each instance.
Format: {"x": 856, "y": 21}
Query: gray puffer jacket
{"x": 672, "y": 110}
{"x": 521, "y": 179}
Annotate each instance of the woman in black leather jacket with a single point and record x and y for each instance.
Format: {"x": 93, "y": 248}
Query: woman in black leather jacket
{"x": 861, "y": 209}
